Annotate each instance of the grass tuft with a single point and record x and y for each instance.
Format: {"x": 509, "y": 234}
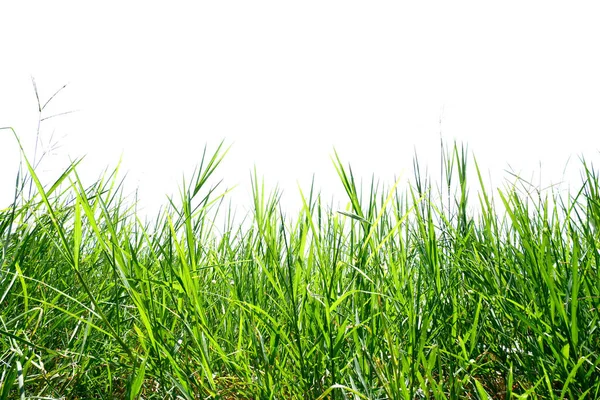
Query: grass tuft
{"x": 425, "y": 292}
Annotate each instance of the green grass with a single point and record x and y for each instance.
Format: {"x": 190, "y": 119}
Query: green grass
{"x": 409, "y": 292}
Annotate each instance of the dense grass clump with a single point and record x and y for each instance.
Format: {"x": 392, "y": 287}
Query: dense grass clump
{"x": 416, "y": 293}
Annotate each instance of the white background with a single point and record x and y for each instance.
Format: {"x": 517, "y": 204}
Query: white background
{"x": 286, "y": 82}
